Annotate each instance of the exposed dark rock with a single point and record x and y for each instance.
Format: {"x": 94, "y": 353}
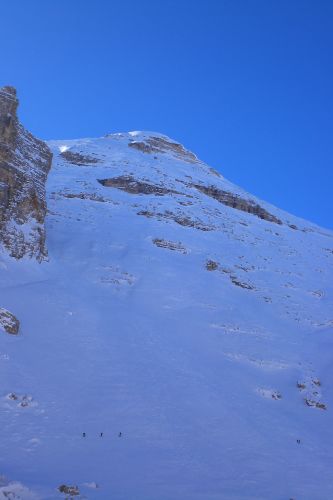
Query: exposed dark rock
{"x": 163, "y": 145}
{"x": 187, "y": 221}
{"x": 244, "y": 268}
{"x": 24, "y": 165}
{"x": 21, "y": 400}
{"x": 185, "y": 203}
{"x": 141, "y": 146}
{"x": 12, "y": 396}
{"x": 84, "y": 196}
{"x": 9, "y": 322}
{"x": 315, "y": 404}
{"x": 235, "y": 201}
{"x": 133, "y": 186}
{"x": 215, "y": 172}
{"x": 211, "y": 265}
{"x": 78, "y": 158}
{"x": 69, "y": 490}
{"x": 171, "y": 245}
{"x": 182, "y": 220}
{"x": 241, "y": 284}
{"x": 149, "y": 215}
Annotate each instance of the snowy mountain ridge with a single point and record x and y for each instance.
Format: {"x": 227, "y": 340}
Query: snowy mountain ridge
{"x": 178, "y": 310}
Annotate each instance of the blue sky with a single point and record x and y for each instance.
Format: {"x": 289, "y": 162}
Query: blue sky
{"x": 246, "y": 84}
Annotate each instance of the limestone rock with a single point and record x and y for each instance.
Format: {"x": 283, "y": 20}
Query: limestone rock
{"x": 131, "y": 185}
{"x": 24, "y": 164}
{"x": 164, "y": 145}
{"x": 235, "y": 201}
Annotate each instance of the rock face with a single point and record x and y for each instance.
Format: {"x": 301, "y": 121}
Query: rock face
{"x": 163, "y": 145}
{"x": 239, "y": 203}
{"x": 131, "y": 185}
{"x": 24, "y": 164}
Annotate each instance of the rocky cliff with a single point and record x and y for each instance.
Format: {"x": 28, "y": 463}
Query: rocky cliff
{"x": 24, "y": 164}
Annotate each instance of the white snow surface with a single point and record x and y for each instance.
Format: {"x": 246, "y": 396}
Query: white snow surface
{"x": 198, "y": 373}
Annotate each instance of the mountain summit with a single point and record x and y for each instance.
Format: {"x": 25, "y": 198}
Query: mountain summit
{"x": 177, "y": 343}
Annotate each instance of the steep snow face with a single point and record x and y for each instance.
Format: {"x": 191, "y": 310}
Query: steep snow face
{"x": 177, "y": 310}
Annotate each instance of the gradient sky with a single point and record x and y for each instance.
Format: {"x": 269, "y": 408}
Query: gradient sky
{"x": 246, "y": 84}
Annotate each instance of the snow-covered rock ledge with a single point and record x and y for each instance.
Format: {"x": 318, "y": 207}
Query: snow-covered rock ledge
{"x": 8, "y": 322}
{"x": 15, "y": 490}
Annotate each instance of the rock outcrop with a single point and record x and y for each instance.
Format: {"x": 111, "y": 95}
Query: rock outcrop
{"x": 164, "y": 145}
{"x": 235, "y": 201}
{"x": 78, "y": 159}
{"x": 8, "y": 322}
{"x": 24, "y": 164}
{"x": 133, "y": 186}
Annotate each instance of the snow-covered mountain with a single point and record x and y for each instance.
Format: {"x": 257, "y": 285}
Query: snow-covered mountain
{"x": 177, "y": 310}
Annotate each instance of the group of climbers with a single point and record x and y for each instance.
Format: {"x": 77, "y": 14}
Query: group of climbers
{"x": 101, "y": 434}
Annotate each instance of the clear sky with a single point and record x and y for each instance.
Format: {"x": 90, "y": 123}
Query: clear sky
{"x": 246, "y": 84}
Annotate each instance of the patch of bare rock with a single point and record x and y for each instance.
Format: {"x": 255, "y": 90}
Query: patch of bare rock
{"x": 72, "y": 491}
{"x": 163, "y": 145}
{"x": 315, "y": 404}
{"x": 235, "y": 201}
{"x": 180, "y": 219}
{"x": 270, "y": 394}
{"x": 171, "y": 245}
{"x": 78, "y": 158}
{"x": 84, "y": 196}
{"x": 8, "y": 322}
{"x": 212, "y": 265}
{"x": 313, "y": 395}
{"x": 133, "y": 186}
{"x": 21, "y": 400}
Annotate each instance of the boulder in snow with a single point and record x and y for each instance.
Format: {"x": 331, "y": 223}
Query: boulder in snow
{"x": 9, "y": 322}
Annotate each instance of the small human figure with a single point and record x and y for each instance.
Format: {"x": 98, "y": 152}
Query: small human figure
{"x": 101, "y": 434}
{"x": 120, "y": 434}
{"x": 83, "y": 434}
{"x": 298, "y": 441}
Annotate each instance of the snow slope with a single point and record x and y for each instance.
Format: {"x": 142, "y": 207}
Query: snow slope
{"x": 200, "y": 332}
